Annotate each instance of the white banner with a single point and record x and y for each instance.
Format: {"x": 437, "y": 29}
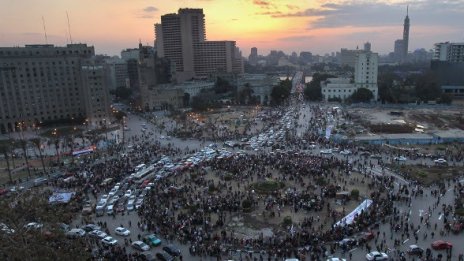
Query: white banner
{"x": 350, "y": 217}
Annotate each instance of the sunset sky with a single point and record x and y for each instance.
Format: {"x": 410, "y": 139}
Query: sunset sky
{"x": 290, "y": 25}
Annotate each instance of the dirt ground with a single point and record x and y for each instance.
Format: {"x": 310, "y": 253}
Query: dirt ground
{"x": 430, "y": 119}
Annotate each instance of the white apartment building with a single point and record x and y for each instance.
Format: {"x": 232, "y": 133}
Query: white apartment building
{"x": 97, "y": 102}
{"x": 449, "y": 52}
{"x": 42, "y": 83}
{"x": 365, "y": 76}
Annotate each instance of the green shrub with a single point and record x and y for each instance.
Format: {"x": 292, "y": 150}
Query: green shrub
{"x": 246, "y": 205}
{"x": 287, "y": 221}
{"x": 354, "y": 194}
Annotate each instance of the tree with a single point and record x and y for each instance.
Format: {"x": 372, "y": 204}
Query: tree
{"x": 23, "y": 145}
{"x": 446, "y": 98}
{"x": 5, "y": 149}
{"x": 37, "y": 143}
{"x": 245, "y": 94}
{"x": 281, "y": 92}
{"x": 427, "y": 88}
{"x": 362, "y": 95}
{"x": 312, "y": 90}
{"x": 199, "y": 103}
{"x": 222, "y": 86}
{"x": 47, "y": 243}
{"x": 186, "y": 99}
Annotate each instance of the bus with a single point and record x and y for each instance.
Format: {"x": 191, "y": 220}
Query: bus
{"x": 142, "y": 173}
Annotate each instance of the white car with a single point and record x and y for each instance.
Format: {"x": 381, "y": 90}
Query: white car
{"x": 139, "y": 245}
{"x": 33, "y": 225}
{"x": 440, "y": 161}
{"x": 97, "y": 234}
{"x": 336, "y": 259}
{"x": 75, "y": 232}
{"x": 109, "y": 241}
{"x": 401, "y": 158}
{"x": 327, "y": 151}
{"x": 128, "y": 193}
{"x": 375, "y": 255}
{"x": 122, "y": 231}
{"x": 345, "y": 152}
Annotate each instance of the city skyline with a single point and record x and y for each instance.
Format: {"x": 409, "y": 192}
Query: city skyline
{"x": 317, "y": 26}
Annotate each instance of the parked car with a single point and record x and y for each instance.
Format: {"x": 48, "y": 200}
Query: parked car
{"x": 75, "y": 233}
{"x": 163, "y": 256}
{"x": 441, "y": 244}
{"x": 415, "y": 250}
{"x": 346, "y": 242}
{"x": 139, "y": 245}
{"x": 90, "y": 227}
{"x": 375, "y": 255}
{"x": 33, "y": 225}
{"x": 440, "y": 162}
{"x": 335, "y": 259}
{"x": 109, "y": 241}
{"x": 122, "y": 231}
{"x": 172, "y": 250}
{"x": 152, "y": 240}
{"x": 97, "y": 234}
{"x": 401, "y": 158}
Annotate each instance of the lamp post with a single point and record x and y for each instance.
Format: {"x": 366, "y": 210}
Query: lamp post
{"x": 123, "y": 127}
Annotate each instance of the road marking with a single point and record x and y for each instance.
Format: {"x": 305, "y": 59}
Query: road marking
{"x": 352, "y": 249}
{"x": 441, "y": 215}
{"x": 404, "y": 242}
{"x": 420, "y": 212}
{"x": 410, "y": 212}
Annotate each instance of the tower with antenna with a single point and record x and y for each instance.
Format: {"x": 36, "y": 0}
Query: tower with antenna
{"x": 69, "y": 28}
{"x": 45, "y": 30}
{"x": 406, "y": 34}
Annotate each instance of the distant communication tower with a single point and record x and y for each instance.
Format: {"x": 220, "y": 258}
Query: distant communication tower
{"x": 69, "y": 28}
{"x": 45, "y": 30}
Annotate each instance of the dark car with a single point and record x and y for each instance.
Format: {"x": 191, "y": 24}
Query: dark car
{"x": 163, "y": 256}
{"x": 172, "y": 250}
{"x": 441, "y": 244}
{"x": 91, "y": 227}
{"x": 415, "y": 250}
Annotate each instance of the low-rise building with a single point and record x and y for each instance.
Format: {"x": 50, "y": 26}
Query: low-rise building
{"x": 260, "y": 84}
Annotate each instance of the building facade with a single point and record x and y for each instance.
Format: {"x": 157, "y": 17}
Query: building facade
{"x": 181, "y": 38}
{"x": 42, "y": 84}
{"x": 260, "y": 84}
{"x": 449, "y": 52}
{"x": 365, "y": 76}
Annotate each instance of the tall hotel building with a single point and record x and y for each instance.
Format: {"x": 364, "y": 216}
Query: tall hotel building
{"x": 182, "y": 39}
{"x": 44, "y": 83}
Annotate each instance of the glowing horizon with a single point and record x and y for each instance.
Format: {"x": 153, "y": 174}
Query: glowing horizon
{"x": 316, "y": 26}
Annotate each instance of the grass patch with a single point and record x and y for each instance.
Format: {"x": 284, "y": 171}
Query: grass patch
{"x": 267, "y": 187}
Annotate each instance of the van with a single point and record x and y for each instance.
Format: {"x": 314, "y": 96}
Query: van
{"x": 109, "y": 210}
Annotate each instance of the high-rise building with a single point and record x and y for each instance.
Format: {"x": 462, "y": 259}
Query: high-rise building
{"x": 182, "y": 39}
{"x": 367, "y": 46}
{"x": 406, "y": 35}
{"x": 44, "y": 83}
{"x": 118, "y": 73}
{"x": 450, "y": 52}
{"x": 402, "y": 45}
{"x": 398, "y": 50}
{"x": 348, "y": 57}
{"x": 253, "y": 58}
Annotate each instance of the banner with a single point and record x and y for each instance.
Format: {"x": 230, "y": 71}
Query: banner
{"x": 60, "y": 197}
{"x": 350, "y": 217}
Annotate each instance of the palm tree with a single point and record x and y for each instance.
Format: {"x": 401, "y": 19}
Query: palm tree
{"x": 5, "y": 148}
{"x": 70, "y": 143}
{"x": 37, "y": 142}
{"x": 23, "y": 145}
{"x": 57, "y": 147}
